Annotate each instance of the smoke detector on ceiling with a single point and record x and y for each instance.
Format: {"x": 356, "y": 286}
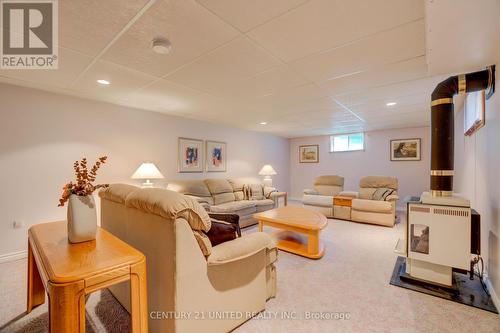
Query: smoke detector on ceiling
{"x": 161, "y": 45}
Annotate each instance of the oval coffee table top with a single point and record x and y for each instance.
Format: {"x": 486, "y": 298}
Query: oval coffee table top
{"x": 294, "y": 216}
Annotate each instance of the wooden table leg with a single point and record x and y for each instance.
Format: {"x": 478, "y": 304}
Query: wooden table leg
{"x": 66, "y": 307}
{"x": 261, "y": 226}
{"x": 36, "y": 290}
{"x": 286, "y": 199}
{"x": 138, "y": 297}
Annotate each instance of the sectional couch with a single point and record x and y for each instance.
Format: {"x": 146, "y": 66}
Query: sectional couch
{"x": 229, "y": 196}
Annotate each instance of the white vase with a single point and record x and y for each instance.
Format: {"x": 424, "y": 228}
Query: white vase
{"x": 82, "y": 218}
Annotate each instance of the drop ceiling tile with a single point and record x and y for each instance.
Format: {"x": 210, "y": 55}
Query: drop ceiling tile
{"x": 383, "y": 75}
{"x": 191, "y": 29}
{"x": 323, "y": 24}
{"x": 392, "y": 92}
{"x": 238, "y": 60}
{"x": 124, "y": 81}
{"x": 163, "y": 96}
{"x": 71, "y": 64}
{"x": 88, "y": 26}
{"x": 266, "y": 83}
{"x": 245, "y": 15}
{"x": 291, "y": 98}
{"x": 401, "y": 43}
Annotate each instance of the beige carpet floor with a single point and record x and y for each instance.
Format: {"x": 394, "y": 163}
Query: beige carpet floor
{"x": 351, "y": 281}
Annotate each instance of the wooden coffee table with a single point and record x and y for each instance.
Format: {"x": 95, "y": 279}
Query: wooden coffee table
{"x": 299, "y": 229}
{"x": 68, "y": 272}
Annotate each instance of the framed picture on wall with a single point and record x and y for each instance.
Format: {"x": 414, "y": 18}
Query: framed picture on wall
{"x": 309, "y": 154}
{"x": 474, "y": 117}
{"x": 216, "y": 156}
{"x": 191, "y": 157}
{"x": 405, "y": 150}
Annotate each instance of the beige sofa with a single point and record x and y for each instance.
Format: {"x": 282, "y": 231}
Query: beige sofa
{"x": 228, "y": 196}
{"x": 186, "y": 275}
{"x": 367, "y": 210}
{"x": 320, "y": 198}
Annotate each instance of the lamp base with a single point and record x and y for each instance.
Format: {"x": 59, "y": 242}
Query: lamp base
{"x": 147, "y": 184}
{"x": 268, "y": 181}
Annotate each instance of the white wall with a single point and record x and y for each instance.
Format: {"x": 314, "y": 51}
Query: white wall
{"x": 41, "y": 134}
{"x": 413, "y": 176}
{"x": 477, "y": 175}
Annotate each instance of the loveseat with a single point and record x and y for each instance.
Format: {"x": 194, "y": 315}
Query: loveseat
{"x": 375, "y": 202}
{"x": 192, "y": 285}
{"x": 237, "y": 196}
{"x": 320, "y": 198}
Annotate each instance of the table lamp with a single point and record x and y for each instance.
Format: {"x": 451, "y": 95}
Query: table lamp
{"x": 267, "y": 171}
{"x": 147, "y": 171}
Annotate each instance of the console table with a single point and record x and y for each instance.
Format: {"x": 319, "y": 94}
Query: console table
{"x": 342, "y": 207}
{"x": 68, "y": 272}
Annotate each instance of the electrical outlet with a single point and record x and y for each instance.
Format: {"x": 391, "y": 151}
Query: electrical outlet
{"x": 18, "y": 224}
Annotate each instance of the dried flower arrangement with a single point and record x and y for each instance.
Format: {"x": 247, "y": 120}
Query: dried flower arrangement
{"x": 84, "y": 179}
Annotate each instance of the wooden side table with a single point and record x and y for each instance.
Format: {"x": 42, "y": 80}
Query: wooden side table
{"x": 342, "y": 207}
{"x": 68, "y": 272}
{"x": 279, "y": 195}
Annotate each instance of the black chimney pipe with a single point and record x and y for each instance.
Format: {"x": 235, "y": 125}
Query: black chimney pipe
{"x": 442, "y": 124}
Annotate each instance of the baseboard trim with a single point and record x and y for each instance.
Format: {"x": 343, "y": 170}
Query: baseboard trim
{"x": 491, "y": 290}
{"x": 13, "y": 256}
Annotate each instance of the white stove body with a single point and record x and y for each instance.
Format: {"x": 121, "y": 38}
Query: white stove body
{"x": 438, "y": 238}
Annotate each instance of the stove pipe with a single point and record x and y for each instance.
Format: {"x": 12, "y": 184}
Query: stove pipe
{"x": 442, "y": 124}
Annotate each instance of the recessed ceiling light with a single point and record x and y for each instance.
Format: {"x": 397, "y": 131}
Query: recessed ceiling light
{"x": 263, "y": 123}
{"x": 104, "y": 82}
{"x": 161, "y": 45}
{"x": 391, "y": 103}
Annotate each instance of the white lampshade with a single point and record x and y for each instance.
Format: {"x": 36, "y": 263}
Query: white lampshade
{"x": 267, "y": 170}
{"x": 147, "y": 171}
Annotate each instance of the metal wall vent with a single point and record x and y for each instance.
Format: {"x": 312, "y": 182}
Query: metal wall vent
{"x": 420, "y": 209}
{"x": 451, "y": 212}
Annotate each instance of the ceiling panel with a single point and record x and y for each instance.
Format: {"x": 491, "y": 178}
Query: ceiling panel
{"x": 245, "y": 15}
{"x": 401, "y": 43}
{"x": 124, "y": 81}
{"x": 238, "y": 60}
{"x": 323, "y": 24}
{"x": 88, "y": 26}
{"x": 383, "y": 75}
{"x": 191, "y": 29}
{"x": 71, "y": 64}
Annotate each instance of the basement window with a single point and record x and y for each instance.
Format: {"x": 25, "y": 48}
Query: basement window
{"x": 347, "y": 142}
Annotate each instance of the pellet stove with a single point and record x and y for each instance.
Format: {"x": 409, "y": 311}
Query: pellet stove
{"x": 443, "y": 232}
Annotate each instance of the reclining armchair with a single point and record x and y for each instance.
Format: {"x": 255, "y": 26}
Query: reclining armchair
{"x": 320, "y": 198}
{"x": 191, "y": 284}
{"x": 376, "y": 200}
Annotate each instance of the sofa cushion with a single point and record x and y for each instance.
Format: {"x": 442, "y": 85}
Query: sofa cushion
{"x": 237, "y": 184}
{"x": 239, "y": 195}
{"x": 232, "y": 207}
{"x": 317, "y": 200}
{"x": 331, "y": 180}
{"x": 240, "y": 248}
{"x": 217, "y": 186}
{"x": 221, "y": 232}
{"x": 372, "y": 206}
{"x": 256, "y": 191}
{"x": 223, "y": 198}
{"x": 196, "y": 188}
{"x": 117, "y": 192}
{"x": 379, "y": 181}
{"x": 366, "y": 193}
{"x": 203, "y": 242}
{"x": 263, "y": 205}
{"x": 170, "y": 205}
{"x": 382, "y": 193}
{"x": 328, "y": 189}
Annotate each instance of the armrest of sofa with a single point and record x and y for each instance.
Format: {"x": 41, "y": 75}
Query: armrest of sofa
{"x": 310, "y": 192}
{"x": 268, "y": 192}
{"x": 352, "y": 194}
{"x": 234, "y": 219}
{"x": 240, "y": 248}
